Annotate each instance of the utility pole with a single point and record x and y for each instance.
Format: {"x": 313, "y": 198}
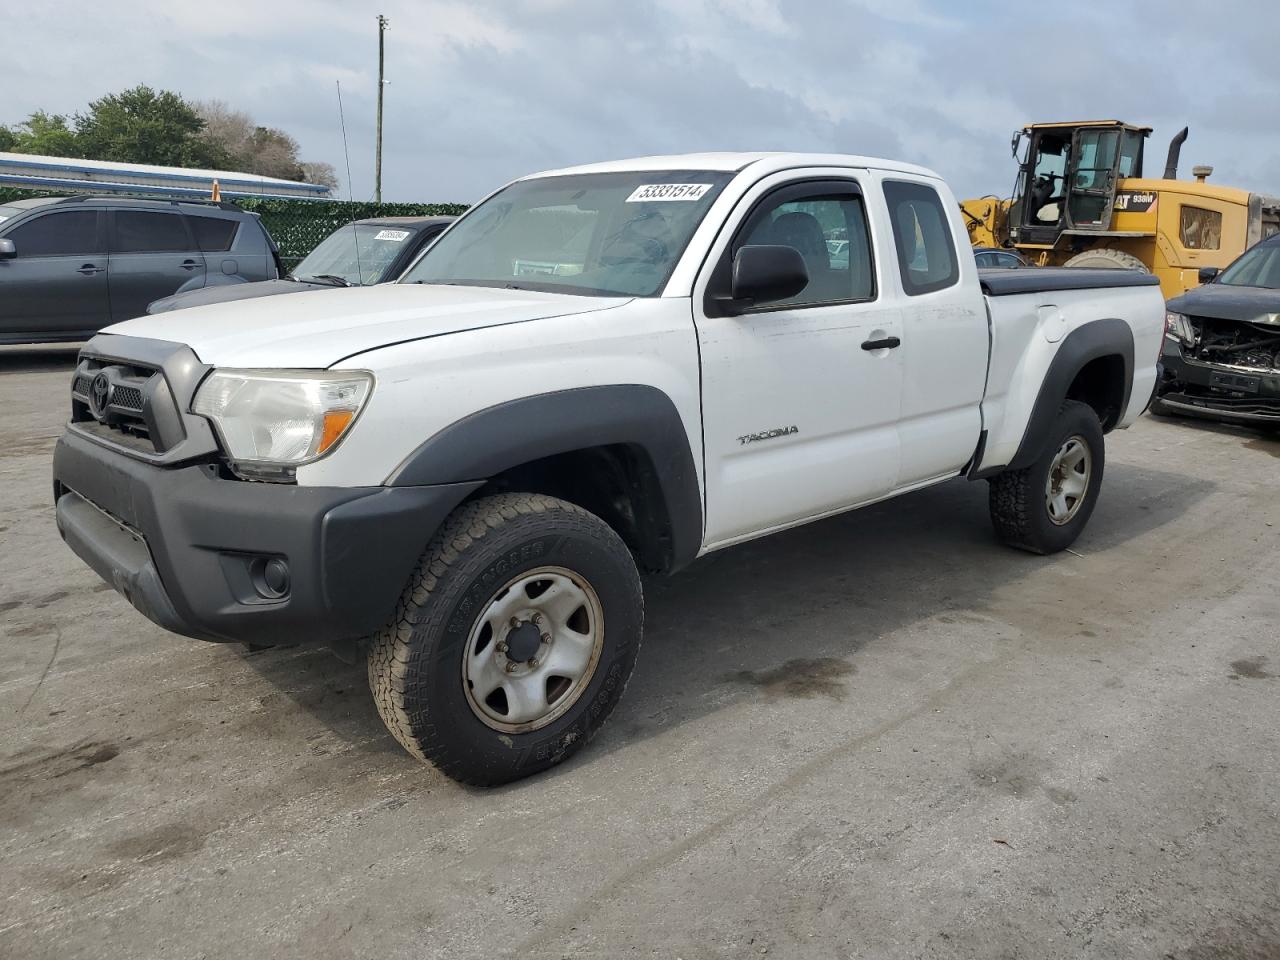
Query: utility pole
{"x": 383, "y": 23}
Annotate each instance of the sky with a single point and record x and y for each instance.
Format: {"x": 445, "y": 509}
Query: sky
{"x": 481, "y": 91}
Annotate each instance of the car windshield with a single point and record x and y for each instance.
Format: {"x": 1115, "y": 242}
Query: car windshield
{"x": 1259, "y": 267}
{"x": 359, "y": 253}
{"x": 7, "y": 213}
{"x": 598, "y": 234}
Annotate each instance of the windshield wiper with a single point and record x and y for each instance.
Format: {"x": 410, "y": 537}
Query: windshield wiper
{"x": 330, "y": 278}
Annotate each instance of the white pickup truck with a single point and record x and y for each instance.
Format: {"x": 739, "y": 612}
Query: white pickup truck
{"x": 596, "y": 371}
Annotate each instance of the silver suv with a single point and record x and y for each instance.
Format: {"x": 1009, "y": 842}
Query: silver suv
{"x": 70, "y": 266}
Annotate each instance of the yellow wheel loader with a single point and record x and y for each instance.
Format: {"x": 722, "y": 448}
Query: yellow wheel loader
{"x": 1081, "y": 200}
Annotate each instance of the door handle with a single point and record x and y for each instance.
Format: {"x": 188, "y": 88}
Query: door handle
{"x": 189, "y": 264}
{"x": 89, "y": 269}
{"x": 888, "y": 343}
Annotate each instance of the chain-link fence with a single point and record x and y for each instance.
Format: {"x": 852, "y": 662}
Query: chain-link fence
{"x": 297, "y": 226}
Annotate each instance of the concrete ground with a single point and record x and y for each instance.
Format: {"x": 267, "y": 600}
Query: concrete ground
{"x": 879, "y": 736}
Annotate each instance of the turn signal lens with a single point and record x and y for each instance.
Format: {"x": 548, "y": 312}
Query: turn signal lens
{"x": 335, "y": 422}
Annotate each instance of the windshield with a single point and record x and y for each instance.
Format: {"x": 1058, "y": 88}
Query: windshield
{"x": 603, "y": 234}
{"x": 7, "y": 213}
{"x": 359, "y": 253}
{"x": 1259, "y": 267}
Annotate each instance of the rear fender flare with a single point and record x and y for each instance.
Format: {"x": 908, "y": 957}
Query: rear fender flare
{"x": 1098, "y": 338}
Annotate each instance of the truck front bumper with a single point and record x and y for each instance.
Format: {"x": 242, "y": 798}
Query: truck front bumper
{"x": 230, "y": 560}
{"x": 1217, "y": 392}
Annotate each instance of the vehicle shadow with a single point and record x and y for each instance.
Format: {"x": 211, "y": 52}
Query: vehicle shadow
{"x": 749, "y": 612}
{"x": 46, "y": 358}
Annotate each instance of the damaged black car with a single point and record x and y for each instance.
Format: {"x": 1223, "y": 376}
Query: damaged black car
{"x": 1221, "y": 352}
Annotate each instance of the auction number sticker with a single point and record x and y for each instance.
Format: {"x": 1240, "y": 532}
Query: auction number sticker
{"x": 396, "y": 236}
{"x": 3, "y": 219}
{"x": 654, "y": 192}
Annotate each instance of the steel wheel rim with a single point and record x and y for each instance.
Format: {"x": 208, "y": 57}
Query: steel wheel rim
{"x": 518, "y": 696}
{"x": 1067, "y": 485}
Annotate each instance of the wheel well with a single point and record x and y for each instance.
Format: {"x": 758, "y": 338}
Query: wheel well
{"x": 1100, "y": 383}
{"x": 616, "y": 482}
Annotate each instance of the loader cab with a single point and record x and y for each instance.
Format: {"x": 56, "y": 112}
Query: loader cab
{"x": 1067, "y": 177}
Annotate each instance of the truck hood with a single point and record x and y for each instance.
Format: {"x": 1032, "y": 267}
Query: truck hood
{"x": 327, "y": 326}
{"x": 1223, "y": 302}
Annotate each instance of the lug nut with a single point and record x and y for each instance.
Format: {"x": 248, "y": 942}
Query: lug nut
{"x": 511, "y": 667}
{"x": 514, "y": 622}
{"x": 546, "y": 638}
{"x": 533, "y": 662}
{"x": 538, "y": 619}
{"x": 502, "y": 646}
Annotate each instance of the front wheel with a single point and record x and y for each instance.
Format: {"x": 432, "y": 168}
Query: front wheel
{"x": 1045, "y": 507}
{"x": 513, "y": 641}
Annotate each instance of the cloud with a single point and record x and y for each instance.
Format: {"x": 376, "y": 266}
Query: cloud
{"x": 486, "y": 90}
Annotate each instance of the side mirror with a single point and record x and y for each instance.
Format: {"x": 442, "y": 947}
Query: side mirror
{"x": 765, "y": 274}
{"x": 1207, "y": 274}
{"x": 7, "y": 250}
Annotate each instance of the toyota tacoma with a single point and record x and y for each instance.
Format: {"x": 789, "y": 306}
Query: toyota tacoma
{"x": 595, "y": 372}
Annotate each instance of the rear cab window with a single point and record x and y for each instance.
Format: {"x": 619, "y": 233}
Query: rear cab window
{"x": 922, "y": 235}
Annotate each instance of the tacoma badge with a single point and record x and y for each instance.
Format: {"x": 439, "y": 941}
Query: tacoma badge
{"x": 768, "y": 434}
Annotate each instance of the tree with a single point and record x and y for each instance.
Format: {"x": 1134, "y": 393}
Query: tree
{"x": 43, "y": 133}
{"x": 321, "y": 173}
{"x": 144, "y": 126}
{"x": 266, "y": 151}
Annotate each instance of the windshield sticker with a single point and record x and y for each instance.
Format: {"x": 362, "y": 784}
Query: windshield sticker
{"x": 396, "y": 236}
{"x": 655, "y": 192}
{"x": 3, "y": 219}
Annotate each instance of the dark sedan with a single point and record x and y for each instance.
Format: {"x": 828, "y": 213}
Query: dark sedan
{"x": 359, "y": 254}
{"x": 1222, "y": 343}
{"x": 998, "y": 257}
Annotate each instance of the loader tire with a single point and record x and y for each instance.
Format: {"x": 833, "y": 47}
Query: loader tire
{"x": 1104, "y": 258}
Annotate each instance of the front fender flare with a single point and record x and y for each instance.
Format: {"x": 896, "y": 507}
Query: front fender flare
{"x": 507, "y": 435}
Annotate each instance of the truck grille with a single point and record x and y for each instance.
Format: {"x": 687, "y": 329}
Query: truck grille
{"x": 117, "y": 402}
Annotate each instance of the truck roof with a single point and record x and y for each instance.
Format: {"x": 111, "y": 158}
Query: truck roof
{"x": 734, "y": 162}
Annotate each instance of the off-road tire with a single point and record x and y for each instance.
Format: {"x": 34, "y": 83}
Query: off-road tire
{"x": 415, "y": 661}
{"x": 1017, "y": 497}
{"x": 1104, "y": 258}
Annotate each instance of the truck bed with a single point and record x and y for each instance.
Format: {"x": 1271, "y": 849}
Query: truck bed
{"x": 1003, "y": 282}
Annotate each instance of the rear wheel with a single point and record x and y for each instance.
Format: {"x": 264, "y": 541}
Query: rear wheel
{"x": 1104, "y": 258}
{"x": 513, "y": 641}
{"x": 1046, "y": 506}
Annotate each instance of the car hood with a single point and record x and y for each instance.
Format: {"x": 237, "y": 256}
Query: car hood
{"x": 230, "y": 292}
{"x": 1254, "y": 304}
{"x": 327, "y": 326}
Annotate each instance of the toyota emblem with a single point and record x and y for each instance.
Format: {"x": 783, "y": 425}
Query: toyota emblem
{"x": 99, "y": 395}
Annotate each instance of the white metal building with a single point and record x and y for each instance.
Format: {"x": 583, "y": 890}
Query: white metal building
{"x": 33, "y": 172}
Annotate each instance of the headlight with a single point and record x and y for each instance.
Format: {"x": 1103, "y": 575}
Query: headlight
{"x": 270, "y": 421}
{"x": 1178, "y": 327}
